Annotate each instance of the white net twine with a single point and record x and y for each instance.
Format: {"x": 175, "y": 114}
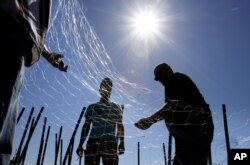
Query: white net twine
{"x": 65, "y": 94}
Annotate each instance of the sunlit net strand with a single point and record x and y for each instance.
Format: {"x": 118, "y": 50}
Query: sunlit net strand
{"x": 89, "y": 63}
{"x": 64, "y": 95}
{"x": 93, "y": 59}
{"x": 93, "y": 72}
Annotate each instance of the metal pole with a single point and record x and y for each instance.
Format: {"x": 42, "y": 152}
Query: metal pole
{"x": 32, "y": 129}
{"x": 23, "y": 153}
{"x": 164, "y": 153}
{"x": 17, "y": 158}
{"x": 20, "y": 115}
{"x": 71, "y": 152}
{"x": 41, "y": 143}
{"x": 58, "y": 144}
{"x": 226, "y": 130}
{"x": 169, "y": 148}
{"x": 55, "y": 149}
{"x": 72, "y": 137}
{"x": 61, "y": 151}
{"x": 45, "y": 146}
{"x": 138, "y": 152}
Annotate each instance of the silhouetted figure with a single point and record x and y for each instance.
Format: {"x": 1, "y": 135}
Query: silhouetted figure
{"x": 187, "y": 117}
{"x": 107, "y": 130}
{"x": 23, "y": 29}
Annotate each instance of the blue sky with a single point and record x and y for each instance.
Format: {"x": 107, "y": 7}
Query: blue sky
{"x": 207, "y": 40}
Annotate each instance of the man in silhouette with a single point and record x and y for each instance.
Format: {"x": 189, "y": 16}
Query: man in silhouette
{"x": 106, "y": 132}
{"x": 187, "y": 117}
{"x": 23, "y": 30}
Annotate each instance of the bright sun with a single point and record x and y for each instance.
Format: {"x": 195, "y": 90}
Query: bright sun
{"x": 146, "y": 24}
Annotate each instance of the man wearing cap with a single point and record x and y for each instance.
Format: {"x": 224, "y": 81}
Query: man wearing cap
{"x": 187, "y": 117}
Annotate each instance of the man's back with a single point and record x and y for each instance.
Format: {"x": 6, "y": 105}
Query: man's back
{"x": 189, "y": 120}
{"x": 180, "y": 87}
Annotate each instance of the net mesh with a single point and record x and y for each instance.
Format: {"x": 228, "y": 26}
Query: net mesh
{"x": 65, "y": 94}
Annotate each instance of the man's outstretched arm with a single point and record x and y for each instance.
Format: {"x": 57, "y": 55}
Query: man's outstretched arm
{"x": 145, "y": 123}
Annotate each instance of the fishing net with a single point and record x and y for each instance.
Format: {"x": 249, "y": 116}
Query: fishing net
{"x": 63, "y": 96}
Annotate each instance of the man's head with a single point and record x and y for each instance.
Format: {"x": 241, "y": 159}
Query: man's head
{"x": 162, "y": 72}
{"x": 106, "y": 88}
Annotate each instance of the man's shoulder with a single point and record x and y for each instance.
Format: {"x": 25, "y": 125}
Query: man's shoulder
{"x": 93, "y": 105}
{"x": 115, "y": 105}
{"x": 179, "y": 74}
{"x": 181, "y": 77}
{"x": 91, "y": 109}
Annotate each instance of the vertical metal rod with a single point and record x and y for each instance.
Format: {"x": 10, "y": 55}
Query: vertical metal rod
{"x": 23, "y": 153}
{"x": 55, "y": 162}
{"x": 41, "y": 143}
{"x": 164, "y": 153}
{"x": 45, "y": 146}
{"x": 226, "y": 130}
{"x": 72, "y": 137}
{"x": 20, "y": 115}
{"x": 58, "y": 140}
{"x": 61, "y": 152}
{"x": 32, "y": 129}
{"x": 71, "y": 152}
{"x": 138, "y": 152}
{"x": 169, "y": 148}
{"x": 17, "y": 158}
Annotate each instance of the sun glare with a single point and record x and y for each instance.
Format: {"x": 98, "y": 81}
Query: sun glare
{"x": 146, "y": 24}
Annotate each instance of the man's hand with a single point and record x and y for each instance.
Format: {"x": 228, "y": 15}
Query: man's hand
{"x": 57, "y": 62}
{"x": 79, "y": 151}
{"x": 121, "y": 148}
{"x": 144, "y": 123}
